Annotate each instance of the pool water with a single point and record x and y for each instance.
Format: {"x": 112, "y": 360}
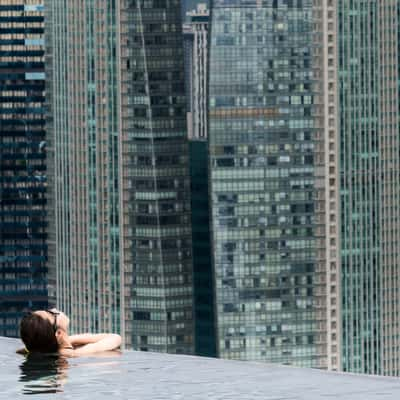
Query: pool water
{"x": 151, "y": 376}
{"x": 42, "y": 375}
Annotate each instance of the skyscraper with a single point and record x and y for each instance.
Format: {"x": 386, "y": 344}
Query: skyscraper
{"x": 120, "y": 243}
{"x": 268, "y": 113}
{"x": 195, "y": 36}
{"x": 23, "y": 282}
{"x": 84, "y": 136}
{"x": 368, "y": 48}
{"x": 159, "y": 178}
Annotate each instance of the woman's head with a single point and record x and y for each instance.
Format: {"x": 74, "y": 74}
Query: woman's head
{"x": 44, "y": 331}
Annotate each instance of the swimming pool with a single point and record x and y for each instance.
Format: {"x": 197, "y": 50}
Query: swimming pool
{"x": 151, "y": 376}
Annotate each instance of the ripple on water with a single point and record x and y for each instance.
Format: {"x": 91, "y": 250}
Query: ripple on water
{"x": 43, "y": 374}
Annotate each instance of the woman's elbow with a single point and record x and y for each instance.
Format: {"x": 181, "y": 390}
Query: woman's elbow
{"x": 117, "y": 340}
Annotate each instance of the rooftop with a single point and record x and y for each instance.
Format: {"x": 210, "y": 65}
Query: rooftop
{"x": 145, "y": 376}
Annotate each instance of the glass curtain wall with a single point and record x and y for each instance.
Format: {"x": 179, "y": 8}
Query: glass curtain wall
{"x": 159, "y": 202}
{"x": 23, "y": 251}
{"x": 262, "y": 171}
{"x": 370, "y": 181}
{"x": 84, "y": 139}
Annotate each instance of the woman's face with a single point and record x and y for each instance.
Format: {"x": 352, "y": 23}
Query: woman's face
{"x": 55, "y": 317}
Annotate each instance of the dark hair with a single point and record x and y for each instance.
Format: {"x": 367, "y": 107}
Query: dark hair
{"x": 38, "y": 334}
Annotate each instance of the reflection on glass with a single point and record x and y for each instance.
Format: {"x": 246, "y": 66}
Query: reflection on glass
{"x": 43, "y": 373}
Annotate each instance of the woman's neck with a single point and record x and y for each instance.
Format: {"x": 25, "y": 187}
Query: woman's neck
{"x": 65, "y": 342}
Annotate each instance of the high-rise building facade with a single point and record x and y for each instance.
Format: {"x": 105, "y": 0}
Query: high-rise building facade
{"x": 120, "y": 238}
{"x": 368, "y": 48}
{"x": 195, "y": 37}
{"x": 158, "y": 174}
{"x": 23, "y": 281}
{"x": 84, "y": 138}
{"x": 266, "y": 138}
{"x": 195, "y": 32}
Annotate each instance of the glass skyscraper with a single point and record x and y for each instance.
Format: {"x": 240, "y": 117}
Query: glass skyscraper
{"x": 264, "y": 129}
{"x": 120, "y": 237}
{"x": 158, "y": 176}
{"x": 23, "y": 281}
{"x": 84, "y": 137}
{"x": 368, "y": 73}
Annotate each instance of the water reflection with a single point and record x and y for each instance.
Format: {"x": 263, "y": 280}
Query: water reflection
{"x": 43, "y": 373}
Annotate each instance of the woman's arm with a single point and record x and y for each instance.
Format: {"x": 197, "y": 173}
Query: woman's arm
{"x": 86, "y": 338}
{"x": 94, "y": 343}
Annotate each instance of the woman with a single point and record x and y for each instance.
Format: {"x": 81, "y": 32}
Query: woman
{"x": 47, "y": 332}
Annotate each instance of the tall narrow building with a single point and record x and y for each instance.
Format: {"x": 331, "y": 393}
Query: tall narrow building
{"x": 23, "y": 281}
{"x": 195, "y": 36}
{"x": 84, "y": 137}
{"x": 120, "y": 238}
{"x": 368, "y": 46}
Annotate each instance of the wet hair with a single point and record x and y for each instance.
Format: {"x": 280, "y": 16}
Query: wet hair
{"x": 38, "y": 334}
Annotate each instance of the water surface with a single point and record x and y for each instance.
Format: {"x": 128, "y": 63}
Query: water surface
{"x": 151, "y": 376}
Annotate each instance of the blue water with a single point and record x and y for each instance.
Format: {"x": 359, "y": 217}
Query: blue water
{"x": 150, "y": 376}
